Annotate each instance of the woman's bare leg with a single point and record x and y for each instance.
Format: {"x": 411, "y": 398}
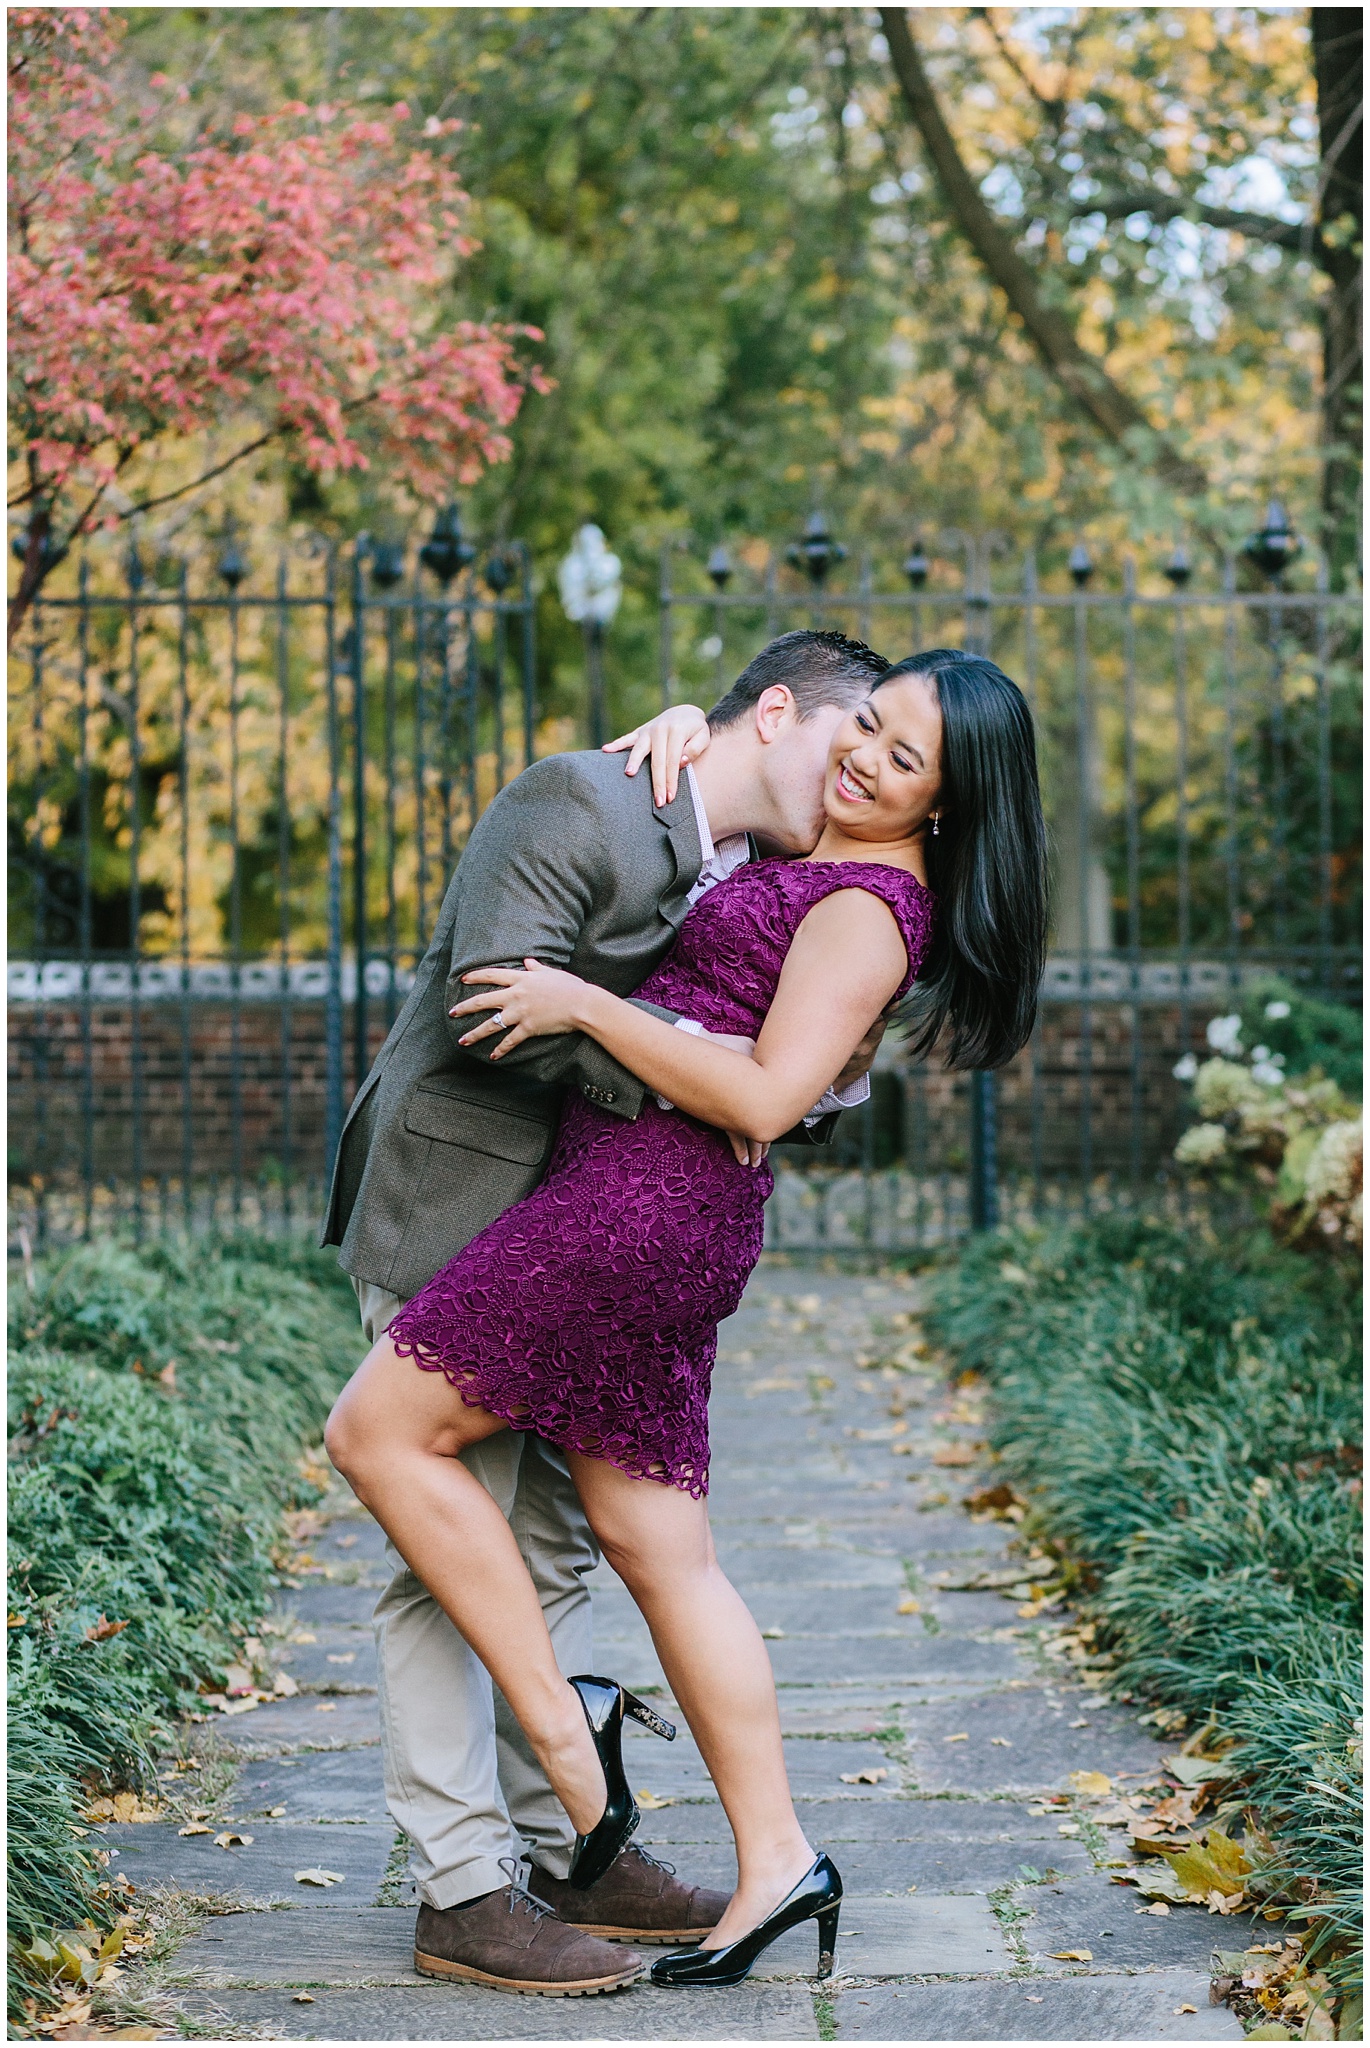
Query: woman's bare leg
{"x": 658, "y": 1541}
{"x": 396, "y": 1434}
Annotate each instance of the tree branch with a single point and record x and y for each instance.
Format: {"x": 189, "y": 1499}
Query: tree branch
{"x": 1163, "y": 206}
{"x": 1052, "y": 333}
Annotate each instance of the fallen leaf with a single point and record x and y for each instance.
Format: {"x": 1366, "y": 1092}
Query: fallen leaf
{"x": 342, "y": 1657}
{"x": 247, "y": 1706}
{"x": 102, "y": 1630}
{"x": 773, "y": 1635}
{"x": 326, "y": 1707}
{"x": 275, "y": 1812}
{"x": 346, "y": 1542}
{"x": 871, "y": 1777}
{"x": 135, "y": 2034}
{"x": 1072, "y": 1955}
{"x": 1077, "y": 1724}
{"x": 1159, "y": 1911}
{"x": 988, "y": 1498}
{"x": 285, "y": 1687}
{"x": 1090, "y": 1784}
{"x": 322, "y": 1878}
{"x": 1186, "y": 2008}
{"x": 1197, "y": 1770}
{"x": 301, "y": 1998}
{"x": 304, "y": 1635}
{"x": 956, "y": 1738}
{"x": 955, "y": 1454}
{"x": 1155, "y": 1880}
{"x": 650, "y": 1801}
{"x": 229, "y": 1837}
{"x": 1033, "y": 2000}
{"x": 237, "y": 1679}
{"x": 909, "y": 1606}
{"x": 197, "y": 1827}
{"x": 1220, "y": 1867}
{"x": 122, "y": 1806}
{"x": 1000, "y": 1742}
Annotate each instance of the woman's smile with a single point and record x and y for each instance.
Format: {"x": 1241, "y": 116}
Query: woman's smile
{"x": 850, "y": 787}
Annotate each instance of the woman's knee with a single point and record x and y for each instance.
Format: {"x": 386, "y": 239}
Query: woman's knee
{"x": 343, "y": 1439}
{"x": 647, "y": 1540}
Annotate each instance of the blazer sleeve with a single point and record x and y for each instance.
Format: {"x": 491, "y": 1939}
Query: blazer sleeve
{"x": 535, "y": 853}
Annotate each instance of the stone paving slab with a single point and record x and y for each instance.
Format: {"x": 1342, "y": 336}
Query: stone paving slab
{"x": 1045, "y": 1748}
{"x": 1077, "y": 2009}
{"x": 325, "y": 1600}
{"x": 464, "y": 2012}
{"x": 858, "y": 1709}
{"x": 320, "y": 1785}
{"x": 822, "y": 1568}
{"x": 928, "y": 1935}
{"x": 303, "y": 1723}
{"x": 315, "y": 1944}
{"x": 1095, "y": 1914}
{"x": 154, "y": 1854}
{"x": 920, "y": 1661}
{"x": 934, "y": 1864}
{"x": 343, "y": 1658}
{"x": 676, "y": 1769}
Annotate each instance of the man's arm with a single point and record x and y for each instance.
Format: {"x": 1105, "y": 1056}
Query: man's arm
{"x": 527, "y": 889}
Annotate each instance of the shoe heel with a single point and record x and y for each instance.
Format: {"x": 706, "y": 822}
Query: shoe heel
{"x": 827, "y": 1939}
{"x": 649, "y": 1718}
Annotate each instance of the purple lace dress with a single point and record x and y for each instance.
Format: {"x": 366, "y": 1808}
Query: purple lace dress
{"x": 589, "y": 1311}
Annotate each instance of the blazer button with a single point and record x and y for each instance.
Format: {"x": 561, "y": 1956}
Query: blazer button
{"x": 610, "y": 1095}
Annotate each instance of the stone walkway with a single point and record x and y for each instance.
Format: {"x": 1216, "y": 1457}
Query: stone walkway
{"x": 927, "y": 1729}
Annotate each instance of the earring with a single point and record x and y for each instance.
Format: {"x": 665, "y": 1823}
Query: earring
{"x": 935, "y": 828}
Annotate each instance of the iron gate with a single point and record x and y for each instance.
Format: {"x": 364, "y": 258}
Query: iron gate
{"x": 232, "y": 818}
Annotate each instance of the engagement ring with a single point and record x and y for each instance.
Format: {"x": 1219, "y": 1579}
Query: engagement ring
{"x": 498, "y": 1017}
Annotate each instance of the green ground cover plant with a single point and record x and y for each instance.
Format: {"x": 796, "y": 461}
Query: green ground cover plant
{"x": 161, "y": 1404}
{"x": 1183, "y": 1418}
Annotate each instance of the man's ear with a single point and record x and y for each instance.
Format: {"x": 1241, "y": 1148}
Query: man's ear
{"x": 775, "y": 710}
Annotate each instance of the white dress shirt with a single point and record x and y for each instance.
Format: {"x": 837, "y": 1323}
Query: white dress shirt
{"x": 721, "y": 859}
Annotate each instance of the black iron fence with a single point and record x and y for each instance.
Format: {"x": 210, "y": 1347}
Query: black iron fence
{"x": 233, "y": 812}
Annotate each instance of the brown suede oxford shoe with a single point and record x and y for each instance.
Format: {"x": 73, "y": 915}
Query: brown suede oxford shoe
{"x": 511, "y": 1942}
{"x": 637, "y": 1899}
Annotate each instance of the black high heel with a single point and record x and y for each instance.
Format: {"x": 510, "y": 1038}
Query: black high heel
{"x": 605, "y": 1703}
{"x": 817, "y": 1896}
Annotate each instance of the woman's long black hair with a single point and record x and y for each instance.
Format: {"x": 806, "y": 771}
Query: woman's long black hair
{"x": 987, "y": 866}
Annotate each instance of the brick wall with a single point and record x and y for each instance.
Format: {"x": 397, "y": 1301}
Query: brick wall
{"x": 48, "y": 1089}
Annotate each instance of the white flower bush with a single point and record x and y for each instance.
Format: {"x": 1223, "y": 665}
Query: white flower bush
{"x": 1300, "y": 1140}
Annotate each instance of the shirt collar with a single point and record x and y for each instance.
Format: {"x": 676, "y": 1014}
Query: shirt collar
{"x": 706, "y": 837}
{"x": 722, "y": 857}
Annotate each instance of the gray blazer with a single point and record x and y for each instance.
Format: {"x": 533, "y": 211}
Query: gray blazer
{"x": 575, "y": 865}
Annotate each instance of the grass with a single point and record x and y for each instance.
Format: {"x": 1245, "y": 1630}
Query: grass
{"x": 161, "y": 1402}
{"x": 1185, "y": 1420}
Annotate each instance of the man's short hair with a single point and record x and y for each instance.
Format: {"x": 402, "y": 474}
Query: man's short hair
{"x": 816, "y": 668}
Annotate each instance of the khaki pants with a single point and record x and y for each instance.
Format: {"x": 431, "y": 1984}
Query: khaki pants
{"x": 460, "y": 1778}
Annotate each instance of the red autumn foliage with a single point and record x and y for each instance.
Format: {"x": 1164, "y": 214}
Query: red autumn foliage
{"x": 288, "y": 274}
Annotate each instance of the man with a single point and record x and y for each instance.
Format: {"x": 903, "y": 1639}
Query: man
{"x": 579, "y": 866}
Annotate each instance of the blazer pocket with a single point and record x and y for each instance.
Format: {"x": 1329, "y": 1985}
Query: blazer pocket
{"x": 476, "y": 1126}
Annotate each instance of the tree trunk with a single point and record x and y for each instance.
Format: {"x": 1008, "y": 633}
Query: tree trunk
{"x": 1052, "y": 332}
{"x": 1338, "y": 68}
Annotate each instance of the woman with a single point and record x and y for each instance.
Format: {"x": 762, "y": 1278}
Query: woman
{"x": 589, "y": 1311}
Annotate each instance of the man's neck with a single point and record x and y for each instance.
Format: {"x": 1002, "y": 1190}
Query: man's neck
{"x": 730, "y": 786}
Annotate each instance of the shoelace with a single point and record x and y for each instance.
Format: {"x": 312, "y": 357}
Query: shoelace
{"x": 519, "y": 1894}
{"x": 657, "y": 1862}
